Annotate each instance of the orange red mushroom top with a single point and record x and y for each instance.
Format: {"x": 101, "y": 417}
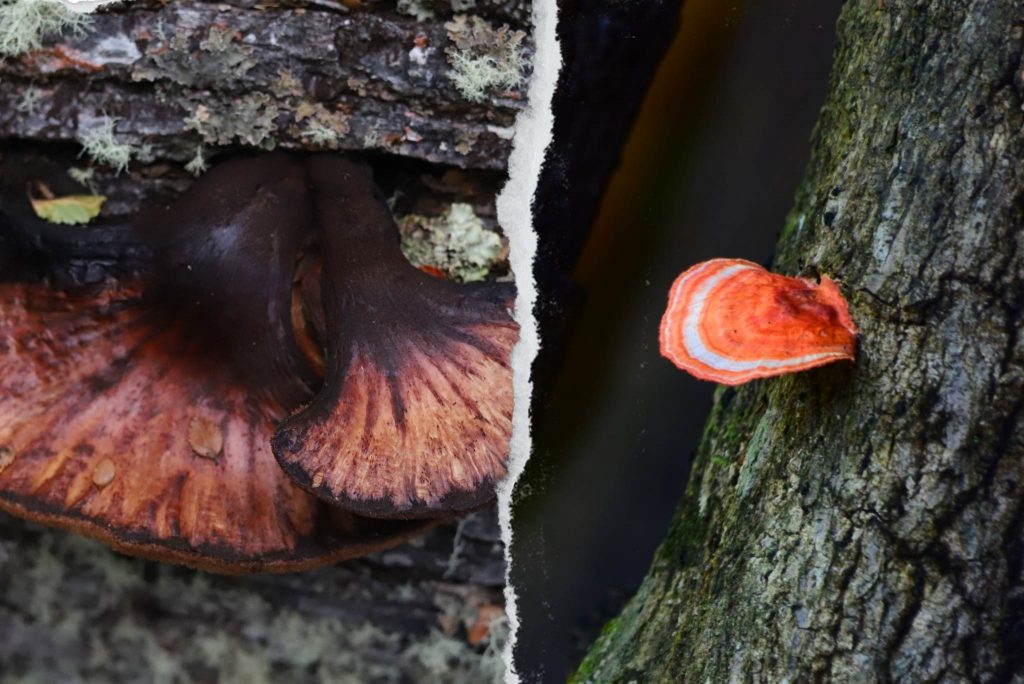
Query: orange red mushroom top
{"x": 731, "y": 321}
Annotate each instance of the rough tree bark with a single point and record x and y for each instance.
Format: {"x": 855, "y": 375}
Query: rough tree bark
{"x": 227, "y": 76}
{"x": 866, "y": 523}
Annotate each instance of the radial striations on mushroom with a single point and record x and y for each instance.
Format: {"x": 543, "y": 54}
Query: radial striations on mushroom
{"x": 141, "y": 411}
{"x": 415, "y": 415}
{"x": 731, "y": 321}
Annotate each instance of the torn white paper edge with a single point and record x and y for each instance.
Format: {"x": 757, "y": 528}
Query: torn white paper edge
{"x": 533, "y": 132}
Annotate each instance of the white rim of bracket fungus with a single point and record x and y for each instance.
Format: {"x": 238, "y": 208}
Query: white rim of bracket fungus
{"x": 515, "y": 203}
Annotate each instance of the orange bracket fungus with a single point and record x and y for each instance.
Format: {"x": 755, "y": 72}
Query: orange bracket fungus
{"x": 142, "y": 385}
{"x": 731, "y": 321}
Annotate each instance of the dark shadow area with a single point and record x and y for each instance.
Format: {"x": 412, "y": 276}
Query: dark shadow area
{"x": 710, "y": 171}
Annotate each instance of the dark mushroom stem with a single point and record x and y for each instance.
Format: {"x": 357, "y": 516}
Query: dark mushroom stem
{"x": 414, "y": 418}
{"x": 224, "y": 262}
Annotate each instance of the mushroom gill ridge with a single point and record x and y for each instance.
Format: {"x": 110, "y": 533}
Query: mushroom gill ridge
{"x": 140, "y": 411}
{"x": 415, "y": 414}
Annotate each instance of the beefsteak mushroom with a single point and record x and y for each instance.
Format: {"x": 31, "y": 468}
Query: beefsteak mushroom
{"x": 142, "y": 385}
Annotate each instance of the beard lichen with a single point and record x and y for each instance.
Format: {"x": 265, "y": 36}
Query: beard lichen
{"x": 484, "y": 58}
{"x": 103, "y": 147}
{"x": 24, "y": 23}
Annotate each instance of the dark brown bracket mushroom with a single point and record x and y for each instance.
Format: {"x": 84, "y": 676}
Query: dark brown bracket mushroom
{"x": 140, "y": 410}
{"x": 415, "y": 415}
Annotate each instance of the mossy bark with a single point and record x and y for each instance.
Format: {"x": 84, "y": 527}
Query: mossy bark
{"x": 866, "y": 522}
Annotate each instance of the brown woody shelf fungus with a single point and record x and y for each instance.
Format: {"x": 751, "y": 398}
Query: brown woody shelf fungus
{"x": 140, "y": 408}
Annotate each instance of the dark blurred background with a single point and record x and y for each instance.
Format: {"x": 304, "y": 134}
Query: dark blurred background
{"x": 709, "y": 170}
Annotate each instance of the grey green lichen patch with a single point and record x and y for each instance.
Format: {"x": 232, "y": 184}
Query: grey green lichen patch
{"x": 103, "y": 147}
{"x": 423, "y": 10}
{"x": 248, "y": 120}
{"x": 415, "y": 8}
{"x": 197, "y": 165}
{"x": 286, "y": 85}
{"x": 24, "y": 23}
{"x": 320, "y": 127}
{"x": 484, "y": 58}
{"x": 464, "y": 141}
{"x": 29, "y": 102}
{"x": 72, "y": 611}
{"x": 218, "y": 57}
{"x": 457, "y": 242}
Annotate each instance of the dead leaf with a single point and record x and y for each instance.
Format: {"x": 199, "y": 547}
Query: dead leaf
{"x": 72, "y": 209}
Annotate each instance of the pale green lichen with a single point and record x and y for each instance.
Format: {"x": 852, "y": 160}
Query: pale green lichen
{"x": 85, "y": 176}
{"x": 321, "y": 128}
{"x": 250, "y": 121}
{"x": 464, "y": 141}
{"x": 451, "y": 661}
{"x": 286, "y": 85}
{"x": 458, "y": 547}
{"x": 29, "y": 102}
{"x": 218, "y": 58}
{"x": 84, "y": 604}
{"x": 197, "y": 165}
{"x": 24, "y": 23}
{"x": 415, "y": 8}
{"x": 484, "y": 58}
{"x": 457, "y": 242}
{"x": 319, "y": 135}
{"x": 497, "y": 637}
{"x": 103, "y": 147}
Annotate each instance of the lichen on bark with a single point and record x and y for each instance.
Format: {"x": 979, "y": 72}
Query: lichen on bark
{"x": 864, "y": 523}
{"x": 188, "y": 72}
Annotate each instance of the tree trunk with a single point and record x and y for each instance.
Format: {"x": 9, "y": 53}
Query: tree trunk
{"x": 217, "y": 77}
{"x": 866, "y": 522}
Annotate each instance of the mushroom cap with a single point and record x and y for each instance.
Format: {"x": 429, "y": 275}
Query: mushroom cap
{"x": 120, "y": 424}
{"x": 415, "y": 415}
{"x": 731, "y": 321}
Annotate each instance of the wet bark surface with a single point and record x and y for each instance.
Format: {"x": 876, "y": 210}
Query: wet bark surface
{"x": 864, "y": 523}
{"x": 218, "y": 79}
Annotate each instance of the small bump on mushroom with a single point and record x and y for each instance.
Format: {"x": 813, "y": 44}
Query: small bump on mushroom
{"x": 104, "y": 473}
{"x": 6, "y": 458}
{"x": 205, "y": 437}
